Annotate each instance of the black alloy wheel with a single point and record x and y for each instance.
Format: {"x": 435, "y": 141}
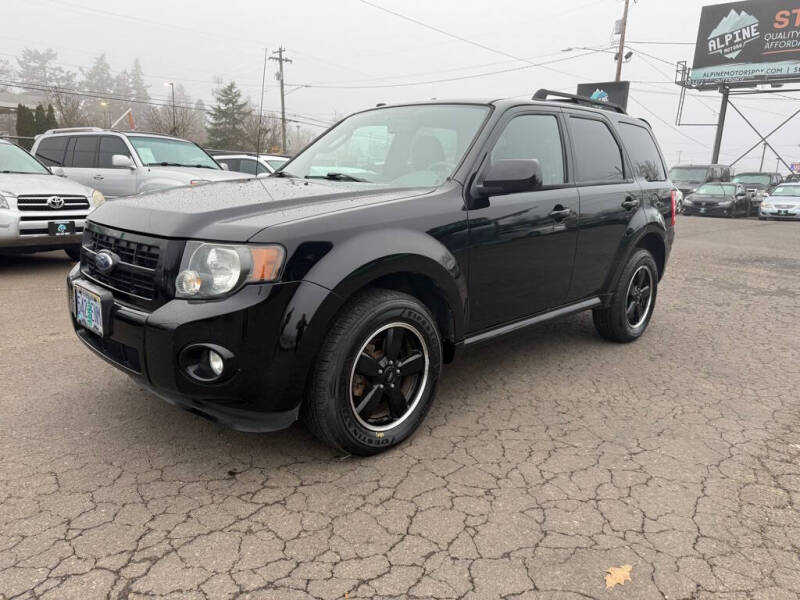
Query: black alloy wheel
{"x": 389, "y": 376}
{"x": 640, "y": 297}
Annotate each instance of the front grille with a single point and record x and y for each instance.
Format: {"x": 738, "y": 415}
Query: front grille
{"x": 40, "y": 203}
{"x": 115, "y": 351}
{"x": 138, "y": 277}
{"x": 43, "y": 231}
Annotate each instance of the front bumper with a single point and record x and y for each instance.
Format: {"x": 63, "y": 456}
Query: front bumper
{"x": 789, "y": 214}
{"x": 710, "y": 211}
{"x": 28, "y": 231}
{"x": 257, "y": 393}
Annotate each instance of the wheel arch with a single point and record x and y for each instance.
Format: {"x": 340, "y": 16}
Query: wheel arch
{"x": 651, "y": 238}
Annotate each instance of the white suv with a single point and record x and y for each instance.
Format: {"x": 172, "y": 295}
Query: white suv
{"x": 264, "y": 164}
{"x": 39, "y": 211}
{"x": 127, "y": 163}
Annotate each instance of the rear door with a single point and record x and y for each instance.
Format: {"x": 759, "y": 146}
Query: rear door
{"x": 609, "y": 198}
{"x": 522, "y": 245}
{"x": 113, "y": 181}
{"x": 80, "y": 160}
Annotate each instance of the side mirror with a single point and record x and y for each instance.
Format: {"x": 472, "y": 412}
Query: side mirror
{"x": 511, "y": 176}
{"x": 122, "y": 161}
{"x": 57, "y": 171}
{"x": 225, "y": 166}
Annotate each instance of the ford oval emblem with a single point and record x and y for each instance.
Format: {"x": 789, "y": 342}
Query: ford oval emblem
{"x": 105, "y": 261}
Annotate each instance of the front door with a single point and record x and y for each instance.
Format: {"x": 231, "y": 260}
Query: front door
{"x": 113, "y": 181}
{"x": 522, "y": 245}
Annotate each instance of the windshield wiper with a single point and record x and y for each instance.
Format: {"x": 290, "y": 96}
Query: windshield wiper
{"x": 284, "y": 174}
{"x": 22, "y": 173}
{"x": 334, "y": 176}
{"x": 163, "y": 164}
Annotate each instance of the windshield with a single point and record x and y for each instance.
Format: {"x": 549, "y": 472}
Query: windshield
{"x": 14, "y": 159}
{"x": 688, "y": 174}
{"x": 786, "y": 190}
{"x": 404, "y": 146}
{"x": 717, "y": 189}
{"x": 755, "y": 178}
{"x": 166, "y": 152}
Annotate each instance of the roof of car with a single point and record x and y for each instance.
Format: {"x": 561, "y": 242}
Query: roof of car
{"x": 756, "y": 173}
{"x": 96, "y": 130}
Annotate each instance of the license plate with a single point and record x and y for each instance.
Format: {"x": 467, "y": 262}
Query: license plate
{"x": 89, "y": 310}
{"x": 61, "y": 228}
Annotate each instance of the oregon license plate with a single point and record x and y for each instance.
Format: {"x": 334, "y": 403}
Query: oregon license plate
{"x": 89, "y": 310}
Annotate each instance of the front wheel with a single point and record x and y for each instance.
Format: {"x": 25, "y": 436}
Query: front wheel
{"x": 376, "y": 374}
{"x": 627, "y": 317}
{"x": 74, "y": 252}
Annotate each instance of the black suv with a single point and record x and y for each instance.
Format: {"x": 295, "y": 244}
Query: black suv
{"x": 335, "y": 289}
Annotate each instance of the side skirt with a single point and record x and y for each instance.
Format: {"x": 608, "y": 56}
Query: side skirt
{"x": 548, "y": 316}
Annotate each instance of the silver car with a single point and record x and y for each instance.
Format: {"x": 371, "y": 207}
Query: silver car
{"x": 127, "y": 163}
{"x": 782, "y": 203}
{"x": 39, "y": 211}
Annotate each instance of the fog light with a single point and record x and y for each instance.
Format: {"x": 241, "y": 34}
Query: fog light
{"x": 216, "y": 363}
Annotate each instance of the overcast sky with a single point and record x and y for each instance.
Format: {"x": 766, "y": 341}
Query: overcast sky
{"x": 352, "y": 47}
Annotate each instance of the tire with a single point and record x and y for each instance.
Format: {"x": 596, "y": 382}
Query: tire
{"x": 74, "y": 253}
{"x": 614, "y": 323}
{"x": 340, "y": 385}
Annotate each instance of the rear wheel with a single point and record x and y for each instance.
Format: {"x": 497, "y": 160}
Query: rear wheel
{"x": 376, "y": 374}
{"x": 74, "y": 252}
{"x": 627, "y": 317}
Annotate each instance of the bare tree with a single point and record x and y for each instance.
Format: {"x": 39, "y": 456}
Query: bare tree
{"x": 186, "y": 121}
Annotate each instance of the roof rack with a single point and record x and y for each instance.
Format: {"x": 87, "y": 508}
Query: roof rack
{"x": 73, "y": 129}
{"x": 581, "y": 100}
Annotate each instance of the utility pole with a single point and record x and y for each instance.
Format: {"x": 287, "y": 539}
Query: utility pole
{"x": 723, "y": 112}
{"x": 763, "y": 156}
{"x": 174, "y": 123}
{"x": 281, "y": 60}
{"x": 623, "y": 30}
{"x": 680, "y": 154}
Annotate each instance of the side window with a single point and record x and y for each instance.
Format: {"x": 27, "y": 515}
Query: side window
{"x": 597, "y": 154}
{"x": 85, "y": 153}
{"x": 233, "y": 163}
{"x": 261, "y": 169}
{"x": 247, "y": 165}
{"x": 534, "y": 136}
{"x": 109, "y": 146}
{"x": 643, "y": 152}
{"x": 51, "y": 150}
{"x": 726, "y": 174}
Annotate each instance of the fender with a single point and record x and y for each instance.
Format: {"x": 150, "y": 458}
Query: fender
{"x": 162, "y": 183}
{"x": 631, "y": 242}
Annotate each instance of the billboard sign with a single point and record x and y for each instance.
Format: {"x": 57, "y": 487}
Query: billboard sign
{"x": 748, "y": 42}
{"x": 610, "y": 91}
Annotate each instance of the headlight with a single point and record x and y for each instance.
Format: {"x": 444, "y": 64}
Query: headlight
{"x": 3, "y": 202}
{"x": 214, "y": 270}
{"x": 687, "y": 200}
{"x": 726, "y": 203}
{"x": 97, "y": 198}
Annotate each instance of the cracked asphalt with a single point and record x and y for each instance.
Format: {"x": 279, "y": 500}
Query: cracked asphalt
{"x": 546, "y": 459}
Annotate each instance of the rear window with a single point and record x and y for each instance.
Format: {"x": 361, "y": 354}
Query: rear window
{"x": 643, "y": 152}
{"x": 51, "y": 150}
{"x": 598, "y": 156}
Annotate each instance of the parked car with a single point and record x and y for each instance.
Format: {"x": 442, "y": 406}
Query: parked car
{"x": 249, "y": 163}
{"x": 126, "y": 163}
{"x": 792, "y": 178}
{"x": 758, "y": 185}
{"x": 689, "y": 177}
{"x": 38, "y": 210}
{"x": 316, "y": 296}
{"x": 718, "y": 199}
{"x": 782, "y": 203}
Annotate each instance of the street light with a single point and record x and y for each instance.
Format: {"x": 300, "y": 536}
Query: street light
{"x": 174, "y": 124}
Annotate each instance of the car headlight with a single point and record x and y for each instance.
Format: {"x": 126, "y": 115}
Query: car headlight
{"x": 3, "y": 202}
{"x": 726, "y": 203}
{"x": 97, "y": 198}
{"x": 687, "y": 200}
{"x": 211, "y": 270}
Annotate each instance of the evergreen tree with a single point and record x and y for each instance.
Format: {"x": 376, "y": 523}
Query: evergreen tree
{"x": 98, "y": 78}
{"x": 226, "y": 128}
{"x": 26, "y": 126}
{"x": 139, "y": 93}
{"x": 39, "y": 120}
{"x": 37, "y": 67}
{"x": 123, "y": 92}
{"x": 50, "y": 119}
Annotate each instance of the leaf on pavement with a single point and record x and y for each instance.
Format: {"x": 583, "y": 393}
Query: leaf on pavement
{"x": 618, "y": 575}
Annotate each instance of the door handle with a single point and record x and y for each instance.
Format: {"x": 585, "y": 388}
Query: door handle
{"x": 559, "y": 213}
{"x": 98, "y": 178}
{"x": 630, "y": 203}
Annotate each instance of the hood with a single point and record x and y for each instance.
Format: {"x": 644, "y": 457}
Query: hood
{"x": 188, "y": 173}
{"x": 235, "y": 211}
{"x": 710, "y": 198}
{"x": 19, "y": 184}
{"x": 787, "y": 200}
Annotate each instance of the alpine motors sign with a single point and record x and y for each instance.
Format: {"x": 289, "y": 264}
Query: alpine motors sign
{"x": 753, "y": 41}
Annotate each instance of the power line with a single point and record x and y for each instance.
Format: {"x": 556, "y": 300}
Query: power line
{"x": 670, "y": 125}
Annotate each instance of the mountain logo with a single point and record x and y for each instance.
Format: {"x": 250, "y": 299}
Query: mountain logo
{"x": 733, "y": 33}
{"x": 600, "y": 95}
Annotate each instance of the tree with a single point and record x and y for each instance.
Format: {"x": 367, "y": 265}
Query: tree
{"x": 70, "y": 107}
{"x": 6, "y": 72}
{"x": 187, "y": 121}
{"x": 140, "y": 95}
{"x": 50, "y": 119}
{"x": 227, "y": 119}
{"x": 37, "y": 67}
{"x": 98, "y": 79}
{"x": 123, "y": 92}
{"x": 26, "y": 126}
{"x": 39, "y": 120}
